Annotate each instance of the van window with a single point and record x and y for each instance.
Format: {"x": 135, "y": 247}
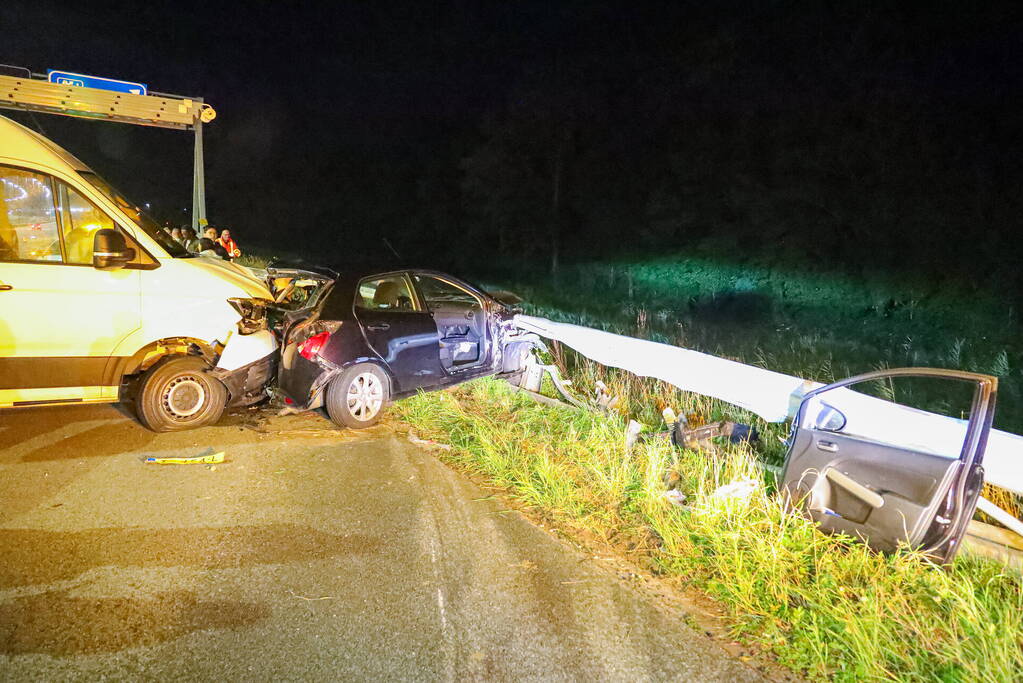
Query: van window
{"x": 81, "y": 220}
{"x": 141, "y": 218}
{"x": 28, "y": 221}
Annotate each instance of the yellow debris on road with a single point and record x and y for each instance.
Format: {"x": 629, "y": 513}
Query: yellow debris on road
{"x": 208, "y": 459}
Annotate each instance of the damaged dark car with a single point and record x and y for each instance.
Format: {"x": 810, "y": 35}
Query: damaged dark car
{"x": 355, "y": 342}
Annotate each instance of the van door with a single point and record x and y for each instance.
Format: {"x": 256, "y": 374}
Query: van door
{"x": 893, "y": 457}
{"x": 62, "y": 318}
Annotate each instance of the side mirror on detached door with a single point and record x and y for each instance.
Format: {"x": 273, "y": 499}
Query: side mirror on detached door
{"x": 110, "y": 250}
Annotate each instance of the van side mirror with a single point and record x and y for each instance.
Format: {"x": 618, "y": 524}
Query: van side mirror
{"x": 110, "y": 250}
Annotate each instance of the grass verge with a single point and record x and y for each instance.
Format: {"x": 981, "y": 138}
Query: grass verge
{"x": 823, "y": 605}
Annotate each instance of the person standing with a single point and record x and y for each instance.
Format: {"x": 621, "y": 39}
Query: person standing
{"x": 207, "y": 248}
{"x": 229, "y": 245}
{"x": 189, "y": 240}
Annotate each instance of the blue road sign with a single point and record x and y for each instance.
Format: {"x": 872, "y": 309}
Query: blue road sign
{"x": 83, "y": 81}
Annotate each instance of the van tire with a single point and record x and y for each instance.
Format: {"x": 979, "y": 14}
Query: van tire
{"x": 347, "y": 394}
{"x": 179, "y": 393}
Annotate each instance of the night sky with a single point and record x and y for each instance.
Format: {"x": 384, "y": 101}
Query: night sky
{"x": 459, "y": 128}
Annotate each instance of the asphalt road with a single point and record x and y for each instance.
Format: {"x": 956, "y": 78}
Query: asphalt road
{"x": 307, "y": 555}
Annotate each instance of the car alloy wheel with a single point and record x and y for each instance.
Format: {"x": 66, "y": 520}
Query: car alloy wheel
{"x": 357, "y": 397}
{"x": 365, "y": 396}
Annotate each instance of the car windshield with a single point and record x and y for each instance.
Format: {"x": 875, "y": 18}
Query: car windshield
{"x": 142, "y": 219}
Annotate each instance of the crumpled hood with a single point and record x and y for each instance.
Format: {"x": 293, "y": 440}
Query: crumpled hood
{"x": 230, "y": 273}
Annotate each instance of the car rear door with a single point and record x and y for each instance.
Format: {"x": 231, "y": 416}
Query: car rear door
{"x": 893, "y": 457}
{"x": 399, "y": 330}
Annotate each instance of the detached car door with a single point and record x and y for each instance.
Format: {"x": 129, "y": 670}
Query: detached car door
{"x": 893, "y": 457}
{"x": 399, "y": 331}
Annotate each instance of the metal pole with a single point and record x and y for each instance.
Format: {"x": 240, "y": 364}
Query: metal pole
{"x": 198, "y": 182}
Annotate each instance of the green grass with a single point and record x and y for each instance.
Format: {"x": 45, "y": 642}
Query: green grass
{"x": 824, "y": 605}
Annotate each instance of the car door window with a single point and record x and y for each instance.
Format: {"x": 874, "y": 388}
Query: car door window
{"x": 28, "y": 220}
{"x": 919, "y": 414}
{"x": 80, "y": 219}
{"x": 389, "y": 293}
{"x": 437, "y": 292}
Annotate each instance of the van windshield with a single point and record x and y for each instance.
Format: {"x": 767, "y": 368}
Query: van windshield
{"x": 140, "y": 217}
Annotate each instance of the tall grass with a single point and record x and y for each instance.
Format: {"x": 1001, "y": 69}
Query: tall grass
{"x": 824, "y": 605}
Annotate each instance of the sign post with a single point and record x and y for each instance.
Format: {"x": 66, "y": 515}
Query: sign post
{"x": 198, "y": 182}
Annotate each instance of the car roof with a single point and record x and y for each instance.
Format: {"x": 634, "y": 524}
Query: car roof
{"x": 338, "y": 304}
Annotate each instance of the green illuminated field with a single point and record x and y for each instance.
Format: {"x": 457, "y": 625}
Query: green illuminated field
{"x": 816, "y": 325}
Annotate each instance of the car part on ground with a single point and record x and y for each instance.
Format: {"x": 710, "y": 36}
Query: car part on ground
{"x": 889, "y": 486}
{"x": 684, "y": 436}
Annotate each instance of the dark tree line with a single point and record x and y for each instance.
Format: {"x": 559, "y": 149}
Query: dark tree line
{"x": 846, "y": 138}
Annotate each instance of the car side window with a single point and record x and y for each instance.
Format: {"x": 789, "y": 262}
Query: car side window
{"x": 28, "y": 219}
{"x": 437, "y": 292}
{"x": 80, "y": 219}
{"x": 923, "y": 414}
{"x": 389, "y": 293}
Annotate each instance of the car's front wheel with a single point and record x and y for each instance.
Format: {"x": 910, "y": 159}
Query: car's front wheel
{"x": 179, "y": 393}
{"x": 356, "y": 399}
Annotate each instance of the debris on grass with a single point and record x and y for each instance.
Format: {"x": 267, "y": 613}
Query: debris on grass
{"x": 675, "y": 497}
{"x": 603, "y": 397}
{"x": 427, "y": 442}
{"x": 699, "y": 438}
{"x": 736, "y": 490}
{"x": 632, "y": 435}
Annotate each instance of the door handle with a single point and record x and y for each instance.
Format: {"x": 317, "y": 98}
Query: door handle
{"x": 829, "y": 446}
{"x": 5, "y": 288}
{"x": 380, "y": 327}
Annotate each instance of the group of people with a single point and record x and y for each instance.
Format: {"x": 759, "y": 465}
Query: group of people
{"x": 210, "y": 244}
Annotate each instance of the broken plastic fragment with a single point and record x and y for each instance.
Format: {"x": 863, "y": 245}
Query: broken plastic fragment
{"x": 205, "y": 459}
{"x": 737, "y": 490}
{"x": 632, "y": 435}
{"x": 675, "y": 497}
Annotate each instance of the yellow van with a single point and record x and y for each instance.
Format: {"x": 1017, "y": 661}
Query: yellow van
{"x": 98, "y": 304}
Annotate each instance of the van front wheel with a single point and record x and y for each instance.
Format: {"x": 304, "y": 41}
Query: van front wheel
{"x": 179, "y": 393}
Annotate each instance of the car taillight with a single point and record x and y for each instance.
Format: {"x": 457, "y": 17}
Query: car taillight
{"x": 311, "y": 347}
